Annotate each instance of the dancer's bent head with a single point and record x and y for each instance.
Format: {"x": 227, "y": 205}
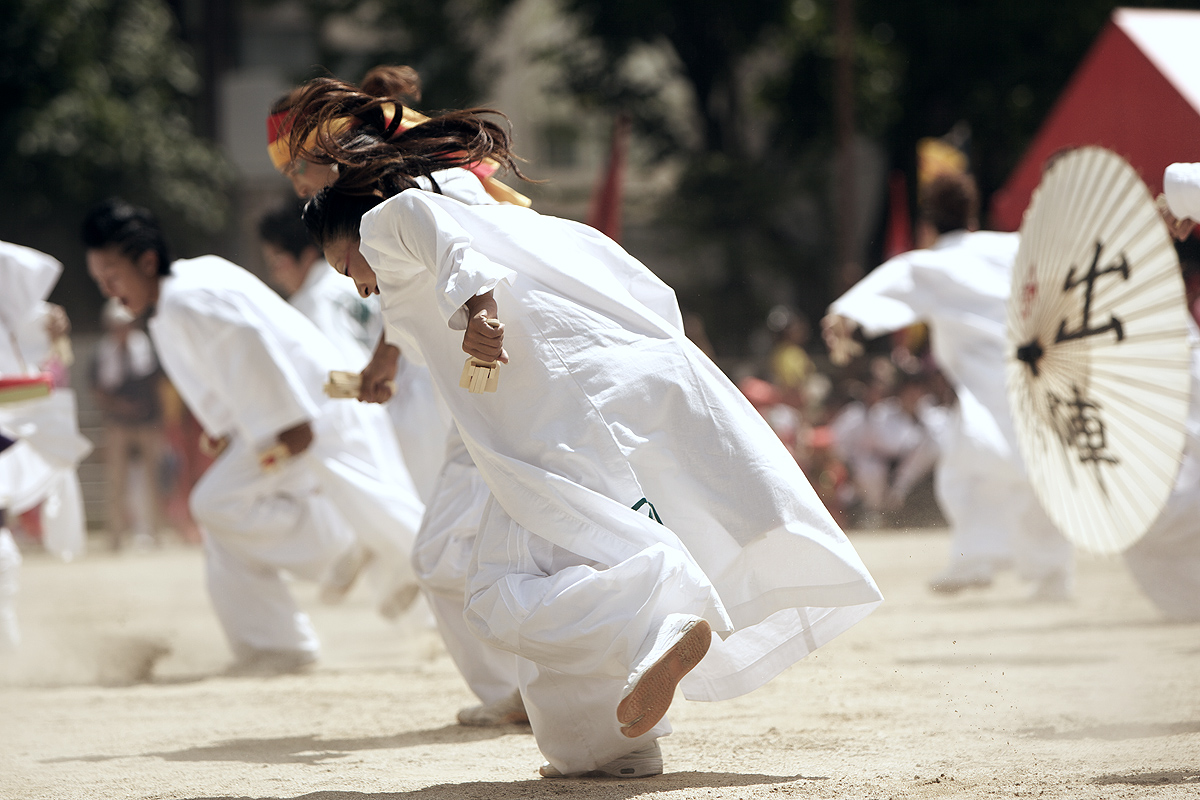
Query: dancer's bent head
{"x": 333, "y": 218}
{"x": 126, "y": 253}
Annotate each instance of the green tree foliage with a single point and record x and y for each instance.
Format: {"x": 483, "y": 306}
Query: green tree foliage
{"x": 439, "y": 38}
{"x": 95, "y": 103}
{"x": 997, "y": 66}
{"x": 762, "y": 75}
{"x": 759, "y": 142}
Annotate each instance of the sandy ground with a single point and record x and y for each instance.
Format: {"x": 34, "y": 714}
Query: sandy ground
{"x": 981, "y": 695}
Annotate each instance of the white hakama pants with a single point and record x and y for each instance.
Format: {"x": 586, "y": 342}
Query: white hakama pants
{"x": 1166, "y": 561}
{"x": 258, "y": 526}
{"x": 420, "y": 420}
{"x": 995, "y": 518}
{"x": 442, "y": 558}
{"x": 359, "y": 465}
{"x": 351, "y": 484}
{"x": 579, "y": 628}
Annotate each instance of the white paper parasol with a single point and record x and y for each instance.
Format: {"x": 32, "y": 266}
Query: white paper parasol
{"x": 1098, "y": 360}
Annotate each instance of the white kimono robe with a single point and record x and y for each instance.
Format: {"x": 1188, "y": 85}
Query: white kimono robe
{"x": 354, "y": 324}
{"x": 40, "y": 467}
{"x": 960, "y": 286}
{"x": 249, "y": 366}
{"x": 607, "y": 415}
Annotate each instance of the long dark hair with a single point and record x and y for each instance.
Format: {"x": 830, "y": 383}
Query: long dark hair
{"x": 332, "y": 215}
{"x": 361, "y": 134}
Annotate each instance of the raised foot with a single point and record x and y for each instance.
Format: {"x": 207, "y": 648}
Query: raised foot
{"x": 675, "y": 655}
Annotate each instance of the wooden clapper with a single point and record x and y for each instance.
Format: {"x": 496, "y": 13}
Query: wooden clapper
{"x": 480, "y": 376}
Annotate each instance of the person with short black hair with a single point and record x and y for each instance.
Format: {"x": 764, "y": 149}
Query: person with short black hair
{"x": 297, "y": 476}
{"x": 959, "y": 284}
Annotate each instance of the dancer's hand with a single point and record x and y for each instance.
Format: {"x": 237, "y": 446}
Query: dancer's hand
{"x": 212, "y": 446}
{"x": 838, "y": 333}
{"x": 484, "y": 337}
{"x": 296, "y": 439}
{"x": 379, "y": 376}
{"x": 1179, "y": 228}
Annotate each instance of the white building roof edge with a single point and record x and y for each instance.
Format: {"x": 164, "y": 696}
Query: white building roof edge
{"x": 1171, "y": 40}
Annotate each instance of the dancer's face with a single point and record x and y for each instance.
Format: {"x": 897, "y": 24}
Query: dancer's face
{"x": 287, "y": 273}
{"x": 308, "y": 177}
{"x": 345, "y": 257}
{"x": 132, "y": 281}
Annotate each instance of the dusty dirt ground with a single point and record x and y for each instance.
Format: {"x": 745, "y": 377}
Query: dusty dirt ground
{"x": 981, "y": 695}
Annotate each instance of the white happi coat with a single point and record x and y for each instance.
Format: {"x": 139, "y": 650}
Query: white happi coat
{"x": 40, "y": 468}
{"x": 354, "y": 325}
{"x": 960, "y": 286}
{"x": 249, "y": 366}
{"x": 605, "y": 403}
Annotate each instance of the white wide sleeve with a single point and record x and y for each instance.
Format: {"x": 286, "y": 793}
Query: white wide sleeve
{"x": 237, "y": 369}
{"x": 1181, "y": 185}
{"x": 642, "y": 284}
{"x": 410, "y": 232}
{"x": 883, "y": 301}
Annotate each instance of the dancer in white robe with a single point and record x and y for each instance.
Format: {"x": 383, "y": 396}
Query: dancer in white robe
{"x": 299, "y": 475}
{"x": 568, "y": 574}
{"x": 451, "y": 486}
{"x": 446, "y": 478}
{"x": 960, "y": 287}
{"x": 355, "y": 325}
{"x": 1166, "y": 561}
{"x": 44, "y": 446}
{"x": 638, "y": 499}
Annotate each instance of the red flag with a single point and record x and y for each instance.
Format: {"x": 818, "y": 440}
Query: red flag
{"x": 605, "y": 212}
{"x": 898, "y": 237}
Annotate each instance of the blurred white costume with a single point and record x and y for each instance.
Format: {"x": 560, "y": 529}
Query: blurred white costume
{"x": 40, "y": 467}
{"x": 887, "y": 450}
{"x": 1181, "y": 185}
{"x": 354, "y": 325}
{"x": 446, "y": 479}
{"x": 606, "y": 417}
{"x": 1166, "y": 561}
{"x": 960, "y": 286}
{"x": 249, "y": 366}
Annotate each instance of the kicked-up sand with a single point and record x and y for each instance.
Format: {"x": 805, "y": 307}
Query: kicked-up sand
{"x": 117, "y": 692}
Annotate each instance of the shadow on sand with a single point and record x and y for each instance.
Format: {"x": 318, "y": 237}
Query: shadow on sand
{"x": 313, "y": 749}
{"x": 1116, "y": 733}
{"x": 1150, "y": 778}
{"x": 601, "y": 789}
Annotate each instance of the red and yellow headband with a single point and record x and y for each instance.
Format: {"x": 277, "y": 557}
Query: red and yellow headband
{"x": 279, "y": 126}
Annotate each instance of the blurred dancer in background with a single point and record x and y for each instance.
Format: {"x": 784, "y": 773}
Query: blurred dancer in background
{"x": 960, "y": 285}
{"x": 125, "y": 379}
{"x": 40, "y": 443}
{"x": 457, "y": 493}
{"x": 297, "y": 477}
